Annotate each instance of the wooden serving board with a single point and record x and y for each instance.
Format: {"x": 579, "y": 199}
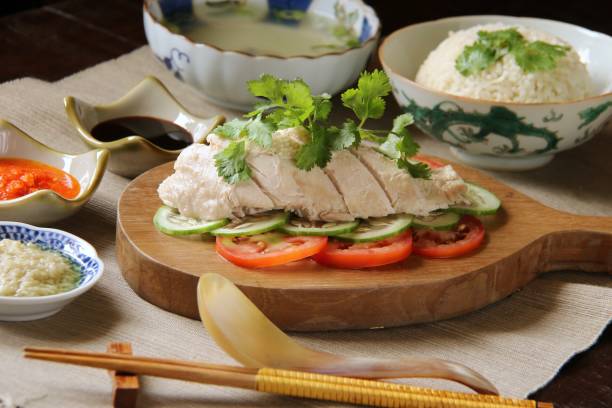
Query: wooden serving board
{"x": 523, "y": 240}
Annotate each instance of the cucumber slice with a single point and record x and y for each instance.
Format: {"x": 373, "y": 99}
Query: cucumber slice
{"x": 437, "y": 221}
{"x": 253, "y": 224}
{"x": 483, "y": 202}
{"x": 376, "y": 229}
{"x": 299, "y": 226}
{"x": 170, "y": 222}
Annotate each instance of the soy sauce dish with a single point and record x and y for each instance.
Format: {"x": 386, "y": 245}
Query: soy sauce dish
{"x": 218, "y": 45}
{"x": 143, "y": 129}
{"x": 42, "y": 270}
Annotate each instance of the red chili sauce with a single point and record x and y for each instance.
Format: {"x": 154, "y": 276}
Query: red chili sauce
{"x": 19, "y": 177}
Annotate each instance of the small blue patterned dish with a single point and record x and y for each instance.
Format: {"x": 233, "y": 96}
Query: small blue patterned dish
{"x": 81, "y": 253}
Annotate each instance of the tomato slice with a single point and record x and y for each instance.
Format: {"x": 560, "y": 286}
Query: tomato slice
{"x": 433, "y": 163}
{"x": 347, "y": 255}
{"x": 467, "y": 235}
{"x": 268, "y": 249}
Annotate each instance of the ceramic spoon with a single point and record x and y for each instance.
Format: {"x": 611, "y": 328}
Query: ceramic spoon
{"x": 249, "y": 337}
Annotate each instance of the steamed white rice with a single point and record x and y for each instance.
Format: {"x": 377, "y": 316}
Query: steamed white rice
{"x": 505, "y": 80}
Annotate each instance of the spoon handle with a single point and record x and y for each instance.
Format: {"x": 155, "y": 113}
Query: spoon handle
{"x": 403, "y": 368}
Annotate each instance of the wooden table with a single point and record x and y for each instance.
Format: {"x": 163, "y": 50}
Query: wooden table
{"x": 50, "y": 39}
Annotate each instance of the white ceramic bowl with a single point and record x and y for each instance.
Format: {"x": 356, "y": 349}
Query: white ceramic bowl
{"x": 46, "y": 206}
{"x": 491, "y": 134}
{"x": 14, "y": 308}
{"x": 222, "y": 75}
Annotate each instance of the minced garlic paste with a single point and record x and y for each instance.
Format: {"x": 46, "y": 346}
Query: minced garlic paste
{"x": 29, "y": 270}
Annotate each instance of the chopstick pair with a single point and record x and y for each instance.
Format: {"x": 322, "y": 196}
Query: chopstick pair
{"x": 283, "y": 382}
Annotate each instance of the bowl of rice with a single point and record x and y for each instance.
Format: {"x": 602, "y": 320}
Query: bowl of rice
{"x": 42, "y": 270}
{"x": 506, "y": 93}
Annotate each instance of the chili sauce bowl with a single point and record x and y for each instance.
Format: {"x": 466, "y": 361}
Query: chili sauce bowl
{"x": 134, "y": 154}
{"x": 78, "y": 251}
{"x": 220, "y": 71}
{"x": 46, "y": 206}
{"x": 499, "y": 135}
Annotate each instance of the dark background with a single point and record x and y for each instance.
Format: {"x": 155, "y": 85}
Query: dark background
{"x": 50, "y": 39}
{"x": 596, "y": 15}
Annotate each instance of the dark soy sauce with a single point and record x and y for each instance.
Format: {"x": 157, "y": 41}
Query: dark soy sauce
{"x": 162, "y": 133}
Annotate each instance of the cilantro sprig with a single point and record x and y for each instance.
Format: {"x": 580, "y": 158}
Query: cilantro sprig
{"x": 367, "y": 102}
{"x": 231, "y": 162}
{"x": 491, "y": 46}
{"x": 287, "y": 104}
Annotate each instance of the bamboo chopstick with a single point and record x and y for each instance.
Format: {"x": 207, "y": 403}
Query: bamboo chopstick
{"x": 118, "y": 356}
{"x": 283, "y": 382}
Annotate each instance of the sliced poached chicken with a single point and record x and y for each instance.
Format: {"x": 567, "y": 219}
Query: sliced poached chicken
{"x": 360, "y": 183}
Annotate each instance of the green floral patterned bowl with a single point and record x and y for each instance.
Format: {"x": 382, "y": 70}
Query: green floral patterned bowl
{"x": 491, "y": 134}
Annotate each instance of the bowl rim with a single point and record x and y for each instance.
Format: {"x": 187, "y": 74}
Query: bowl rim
{"x": 481, "y": 101}
{"x": 70, "y": 103}
{"x": 373, "y": 39}
{"x": 102, "y": 156}
{"x": 74, "y": 292}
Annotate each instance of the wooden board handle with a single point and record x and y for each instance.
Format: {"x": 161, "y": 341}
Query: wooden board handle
{"x": 583, "y": 243}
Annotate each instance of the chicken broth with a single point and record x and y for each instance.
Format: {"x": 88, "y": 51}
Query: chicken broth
{"x": 162, "y": 133}
{"x": 254, "y": 32}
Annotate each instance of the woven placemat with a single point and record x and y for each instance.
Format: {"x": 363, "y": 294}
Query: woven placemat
{"x": 518, "y": 343}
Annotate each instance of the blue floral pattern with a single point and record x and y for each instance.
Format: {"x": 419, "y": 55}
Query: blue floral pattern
{"x": 288, "y": 12}
{"x": 86, "y": 262}
{"x": 175, "y": 62}
{"x": 170, "y": 7}
{"x": 366, "y": 31}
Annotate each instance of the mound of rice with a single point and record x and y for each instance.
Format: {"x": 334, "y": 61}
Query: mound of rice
{"x": 505, "y": 80}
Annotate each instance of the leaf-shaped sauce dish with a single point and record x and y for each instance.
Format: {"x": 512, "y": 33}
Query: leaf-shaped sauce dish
{"x": 143, "y": 129}
{"x": 46, "y": 206}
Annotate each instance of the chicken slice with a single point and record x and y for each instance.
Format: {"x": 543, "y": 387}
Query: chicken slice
{"x": 310, "y": 194}
{"x": 197, "y": 191}
{"x": 410, "y": 195}
{"x": 444, "y": 189}
{"x": 404, "y": 194}
{"x": 361, "y": 192}
{"x": 322, "y": 201}
{"x": 273, "y": 174}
